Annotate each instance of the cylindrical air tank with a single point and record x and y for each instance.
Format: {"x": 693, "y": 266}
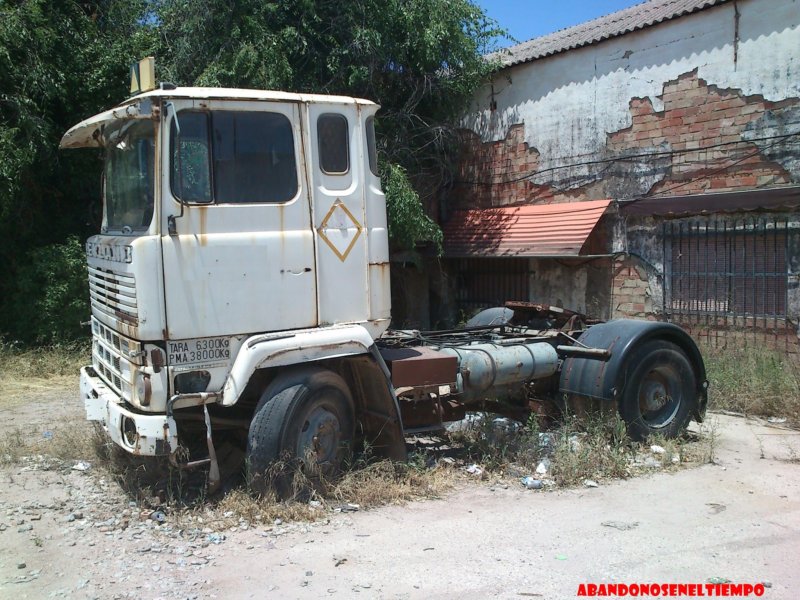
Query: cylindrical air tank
{"x": 492, "y": 370}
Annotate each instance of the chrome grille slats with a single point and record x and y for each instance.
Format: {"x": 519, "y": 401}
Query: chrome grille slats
{"x": 113, "y": 293}
{"x": 113, "y": 357}
{"x": 108, "y": 365}
{"x": 127, "y": 348}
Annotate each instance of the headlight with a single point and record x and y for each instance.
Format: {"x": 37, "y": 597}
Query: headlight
{"x": 142, "y": 389}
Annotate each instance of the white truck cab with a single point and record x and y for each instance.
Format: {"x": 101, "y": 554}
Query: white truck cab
{"x": 228, "y": 213}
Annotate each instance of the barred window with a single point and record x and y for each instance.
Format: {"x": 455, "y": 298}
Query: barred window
{"x": 736, "y": 267}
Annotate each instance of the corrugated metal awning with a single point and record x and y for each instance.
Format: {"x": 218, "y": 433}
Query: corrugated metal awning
{"x": 531, "y": 230}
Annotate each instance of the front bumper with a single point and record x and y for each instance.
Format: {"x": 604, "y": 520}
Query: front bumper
{"x": 146, "y": 435}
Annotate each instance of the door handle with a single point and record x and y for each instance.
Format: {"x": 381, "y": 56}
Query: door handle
{"x": 295, "y": 271}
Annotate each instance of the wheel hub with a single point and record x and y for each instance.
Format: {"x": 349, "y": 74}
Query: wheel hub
{"x": 655, "y": 395}
{"x": 319, "y": 437}
{"x": 658, "y": 403}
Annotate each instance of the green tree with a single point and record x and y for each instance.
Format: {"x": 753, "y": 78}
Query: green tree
{"x": 421, "y": 60}
{"x": 60, "y": 61}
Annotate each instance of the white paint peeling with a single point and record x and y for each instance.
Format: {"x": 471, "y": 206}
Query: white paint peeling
{"x": 570, "y": 102}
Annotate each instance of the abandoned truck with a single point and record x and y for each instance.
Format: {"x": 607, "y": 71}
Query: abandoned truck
{"x": 240, "y": 291}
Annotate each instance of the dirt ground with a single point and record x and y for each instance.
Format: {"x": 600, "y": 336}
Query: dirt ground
{"x": 67, "y": 532}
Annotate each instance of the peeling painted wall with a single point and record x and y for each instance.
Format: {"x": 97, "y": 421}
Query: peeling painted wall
{"x": 704, "y": 103}
{"x": 576, "y": 106}
{"x": 587, "y": 290}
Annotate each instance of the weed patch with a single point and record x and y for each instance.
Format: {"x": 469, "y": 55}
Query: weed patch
{"x": 71, "y": 440}
{"x": 760, "y": 383}
{"x": 590, "y": 449}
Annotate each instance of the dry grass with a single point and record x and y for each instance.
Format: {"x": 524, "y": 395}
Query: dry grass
{"x": 367, "y": 486}
{"x": 71, "y": 440}
{"x": 577, "y": 451}
{"x": 386, "y": 482}
{"x": 592, "y": 449}
{"x": 764, "y": 383}
{"x": 26, "y": 373}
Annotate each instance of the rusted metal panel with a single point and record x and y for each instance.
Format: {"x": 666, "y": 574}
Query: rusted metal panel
{"x": 413, "y": 367}
{"x": 530, "y": 230}
{"x": 557, "y": 317}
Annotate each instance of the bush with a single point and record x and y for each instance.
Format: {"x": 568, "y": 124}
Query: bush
{"x": 408, "y": 222}
{"x": 51, "y": 297}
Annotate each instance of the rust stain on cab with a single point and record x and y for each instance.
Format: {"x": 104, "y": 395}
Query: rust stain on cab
{"x": 201, "y": 234}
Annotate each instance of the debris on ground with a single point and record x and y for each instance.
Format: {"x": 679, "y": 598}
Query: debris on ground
{"x": 473, "y": 469}
{"x": 620, "y": 525}
{"x": 158, "y": 516}
{"x": 532, "y": 483}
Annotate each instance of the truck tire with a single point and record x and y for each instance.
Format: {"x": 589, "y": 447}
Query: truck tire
{"x": 658, "y": 389}
{"x": 303, "y": 424}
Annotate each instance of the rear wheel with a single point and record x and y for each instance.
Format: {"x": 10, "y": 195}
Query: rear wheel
{"x": 304, "y": 424}
{"x": 659, "y": 390}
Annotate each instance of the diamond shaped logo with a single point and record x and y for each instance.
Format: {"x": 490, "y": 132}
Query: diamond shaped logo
{"x": 335, "y": 230}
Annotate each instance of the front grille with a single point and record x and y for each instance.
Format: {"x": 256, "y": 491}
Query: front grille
{"x": 114, "y": 294}
{"x": 111, "y": 358}
{"x": 128, "y": 348}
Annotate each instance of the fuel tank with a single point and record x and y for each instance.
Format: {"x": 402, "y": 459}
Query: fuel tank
{"x": 489, "y": 370}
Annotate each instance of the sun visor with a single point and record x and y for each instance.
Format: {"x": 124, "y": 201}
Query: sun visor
{"x": 89, "y": 133}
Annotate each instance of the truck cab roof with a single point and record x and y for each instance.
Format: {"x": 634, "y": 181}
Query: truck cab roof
{"x": 88, "y": 133}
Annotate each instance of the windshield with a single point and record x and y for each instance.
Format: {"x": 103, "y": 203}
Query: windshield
{"x": 129, "y": 166}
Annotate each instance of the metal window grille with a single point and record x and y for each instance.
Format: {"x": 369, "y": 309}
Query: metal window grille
{"x": 725, "y": 276}
{"x": 486, "y": 282}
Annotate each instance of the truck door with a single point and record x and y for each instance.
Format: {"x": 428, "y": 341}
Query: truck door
{"x": 240, "y": 258}
{"x": 340, "y": 228}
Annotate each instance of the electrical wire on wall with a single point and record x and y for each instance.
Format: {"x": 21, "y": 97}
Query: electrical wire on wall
{"x": 611, "y": 162}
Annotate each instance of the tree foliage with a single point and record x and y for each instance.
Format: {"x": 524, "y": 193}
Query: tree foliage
{"x": 50, "y": 296}
{"x": 59, "y": 62}
{"x": 408, "y": 222}
{"x": 62, "y": 61}
{"x": 421, "y": 60}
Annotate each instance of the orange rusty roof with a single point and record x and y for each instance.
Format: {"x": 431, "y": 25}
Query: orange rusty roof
{"x": 530, "y": 230}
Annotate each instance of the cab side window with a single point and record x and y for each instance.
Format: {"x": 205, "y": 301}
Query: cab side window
{"x": 247, "y": 157}
{"x": 332, "y": 139}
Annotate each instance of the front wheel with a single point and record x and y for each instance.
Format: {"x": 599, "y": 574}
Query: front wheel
{"x": 303, "y": 424}
{"x": 659, "y": 390}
